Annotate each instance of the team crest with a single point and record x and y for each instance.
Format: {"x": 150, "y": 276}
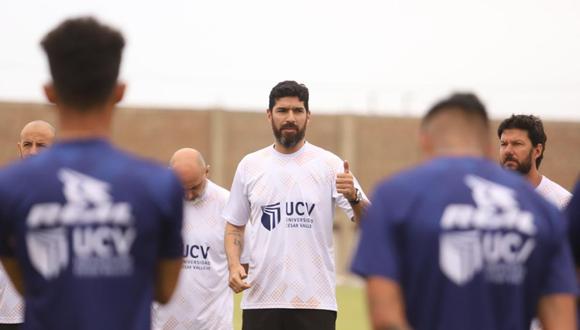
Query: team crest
{"x": 271, "y": 216}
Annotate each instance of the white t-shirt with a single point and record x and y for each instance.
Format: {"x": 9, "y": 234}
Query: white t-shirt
{"x": 554, "y": 192}
{"x": 287, "y": 202}
{"x": 11, "y": 304}
{"x": 202, "y": 299}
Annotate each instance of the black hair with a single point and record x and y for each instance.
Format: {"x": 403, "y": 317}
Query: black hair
{"x": 531, "y": 124}
{"x": 289, "y": 88}
{"x": 466, "y": 103}
{"x": 84, "y": 58}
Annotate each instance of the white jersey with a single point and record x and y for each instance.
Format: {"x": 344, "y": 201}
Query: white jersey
{"x": 202, "y": 299}
{"x": 554, "y": 192}
{"x": 289, "y": 201}
{"x": 11, "y": 304}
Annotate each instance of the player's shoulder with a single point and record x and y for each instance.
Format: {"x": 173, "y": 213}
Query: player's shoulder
{"x": 145, "y": 168}
{"x": 10, "y": 171}
{"x": 23, "y": 172}
{"x": 323, "y": 158}
{"x": 404, "y": 183}
{"x": 220, "y": 192}
{"x": 128, "y": 170}
{"x": 153, "y": 177}
{"x": 322, "y": 153}
{"x": 555, "y": 188}
{"x": 528, "y": 198}
{"x": 148, "y": 179}
{"x": 257, "y": 156}
{"x": 445, "y": 172}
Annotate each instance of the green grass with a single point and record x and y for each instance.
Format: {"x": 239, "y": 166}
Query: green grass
{"x": 352, "y": 314}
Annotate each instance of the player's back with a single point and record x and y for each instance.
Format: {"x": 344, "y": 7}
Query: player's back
{"x": 476, "y": 246}
{"x": 88, "y": 224}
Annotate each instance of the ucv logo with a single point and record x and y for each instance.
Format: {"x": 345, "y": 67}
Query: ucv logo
{"x": 48, "y": 251}
{"x": 271, "y": 216}
{"x": 101, "y": 230}
{"x": 495, "y": 235}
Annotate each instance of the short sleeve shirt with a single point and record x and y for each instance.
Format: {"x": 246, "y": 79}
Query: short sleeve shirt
{"x": 471, "y": 245}
{"x": 287, "y": 202}
{"x": 88, "y": 224}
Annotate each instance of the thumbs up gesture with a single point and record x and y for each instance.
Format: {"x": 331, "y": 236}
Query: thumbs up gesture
{"x": 345, "y": 183}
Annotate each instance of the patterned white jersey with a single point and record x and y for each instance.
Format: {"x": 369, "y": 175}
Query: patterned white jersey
{"x": 202, "y": 299}
{"x": 287, "y": 202}
{"x": 554, "y": 192}
{"x": 11, "y": 304}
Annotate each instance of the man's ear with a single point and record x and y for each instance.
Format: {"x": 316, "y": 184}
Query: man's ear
{"x": 538, "y": 150}
{"x": 19, "y": 148}
{"x": 269, "y": 114}
{"x": 425, "y": 143}
{"x": 489, "y": 151}
{"x": 50, "y": 92}
{"x": 119, "y": 92}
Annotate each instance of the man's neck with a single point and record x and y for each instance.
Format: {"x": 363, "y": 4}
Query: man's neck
{"x": 534, "y": 177}
{"x": 94, "y": 123}
{"x": 457, "y": 152}
{"x": 283, "y": 150}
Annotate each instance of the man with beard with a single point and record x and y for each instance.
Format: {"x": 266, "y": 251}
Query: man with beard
{"x": 522, "y": 145}
{"x": 285, "y": 195}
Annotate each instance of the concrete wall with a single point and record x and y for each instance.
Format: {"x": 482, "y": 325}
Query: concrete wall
{"x": 375, "y": 146}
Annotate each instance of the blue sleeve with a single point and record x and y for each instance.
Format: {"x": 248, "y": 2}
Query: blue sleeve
{"x": 562, "y": 274}
{"x": 170, "y": 239}
{"x": 573, "y": 214}
{"x": 377, "y": 253}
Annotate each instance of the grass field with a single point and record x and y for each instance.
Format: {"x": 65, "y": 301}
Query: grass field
{"x": 352, "y": 314}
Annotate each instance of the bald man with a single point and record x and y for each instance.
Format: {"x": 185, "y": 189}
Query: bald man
{"x": 202, "y": 299}
{"x": 34, "y": 137}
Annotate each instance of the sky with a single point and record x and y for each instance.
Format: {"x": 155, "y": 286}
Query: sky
{"x": 386, "y": 57}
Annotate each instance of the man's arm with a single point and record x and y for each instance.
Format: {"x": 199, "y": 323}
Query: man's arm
{"x": 386, "y": 306}
{"x": 359, "y": 210}
{"x": 167, "y": 274}
{"x": 345, "y": 186}
{"x": 234, "y": 242}
{"x": 14, "y": 273}
{"x": 557, "y": 312}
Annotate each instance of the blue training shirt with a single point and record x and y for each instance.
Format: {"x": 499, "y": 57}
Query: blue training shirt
{"x": 88, "y": 224}
{"x": 573, "y": 212}
{"x": 471, "y": 244}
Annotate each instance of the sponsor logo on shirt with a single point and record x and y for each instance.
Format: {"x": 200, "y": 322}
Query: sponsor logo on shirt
{"x": 298, "y": 215}
{"x": 270, "y": 216}
{"x": 90, "y": 229}
{"x": 195, "y": 257}
{"x": 494, "y": 237}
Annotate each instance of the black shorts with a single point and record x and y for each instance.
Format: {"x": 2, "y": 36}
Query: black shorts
{"x": 14, "y": 326}
{"x": 288, "y": 319}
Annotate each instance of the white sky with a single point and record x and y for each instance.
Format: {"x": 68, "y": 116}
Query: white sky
{"x": 372, "y": 57}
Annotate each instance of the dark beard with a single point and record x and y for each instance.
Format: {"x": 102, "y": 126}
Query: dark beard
{"x": 523, "y": 167}
{"x": 289, "y": 141}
